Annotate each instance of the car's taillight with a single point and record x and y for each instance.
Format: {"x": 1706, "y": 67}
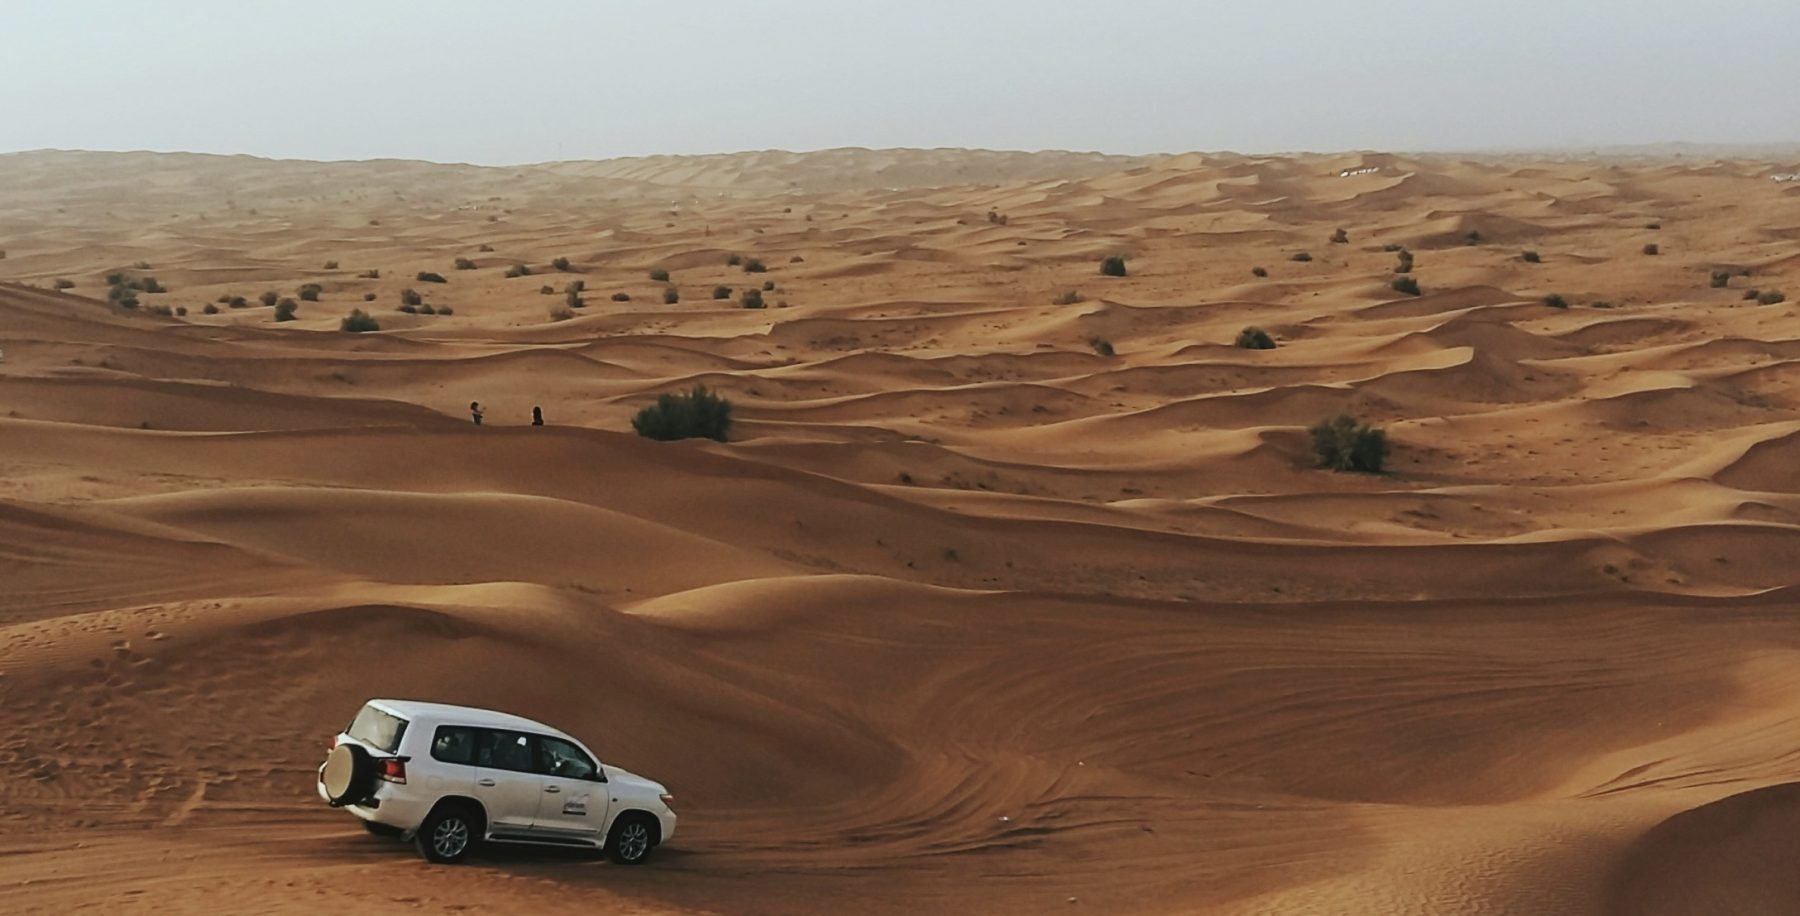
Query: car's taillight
{"x": 331, "y": 745}
{"x": 393, "y": 769}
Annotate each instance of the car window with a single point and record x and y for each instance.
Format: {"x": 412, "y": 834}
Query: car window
{"x": 454, "y": 744}
{"x": 504, "y": 751}
{"x": 557, "y": 757}
{"x": 377, "y": 729}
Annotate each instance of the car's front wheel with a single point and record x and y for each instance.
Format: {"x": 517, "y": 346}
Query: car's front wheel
{"x": 448, "y": 833}
{"x": 631, "y": 839}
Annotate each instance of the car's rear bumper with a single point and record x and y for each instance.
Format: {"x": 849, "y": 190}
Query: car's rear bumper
{"x": 389, "y": 806}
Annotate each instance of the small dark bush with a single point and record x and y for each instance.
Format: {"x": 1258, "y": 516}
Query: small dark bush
{"x": 310, "y": 292}
{"x": 1751, "y": 294}
{"x": 446, "y": 310}
{"x": 1259, "y": 272}
{"x": 561, "y": 313}
{"x": 1771, "y": 297}
{"x": 1556, "y": 302}
{"x": 1652, "y": 249}
{"x": 768, "y": 286}
{"x": 1101, "y": 345}
{"x": 211, "y": 309}
{"x": 126, "y": 300}
{"x": 561, "y": 264}
{"x": 1601, "y": 304}
{"x": 699, "y": 414}
{"x": 1069, "y": 298}
{"x": 359, "y": 321}
{"x": 141, "y": 265}
{"x": 1391, "y": 246}
{"x": 410, "y": 296}
{"x": 330, "y": 265}
{"x": 659, "y": 275}
{"x": 238, "y": 302}
{"x": 1721, "y": 279}
{"x": 755, "y": 266}
{"x": 518, "y": 270}
{"x": 409, "y": 309}
{"x": 733, "y": 260}
{"x": 1112, "y": 266}
{"x": 547, "y": 290}
{"x": 721, "y": 292}
{"x": 1255, "y": 339}
{"x": 426, "y": 309}
{"x": 149, "y": 285}
{"x": 1405, "y": 264}
{"x": 572, "y": 299}
{"x": 485, "y": 248}
{"x": 752, "y": 299}
{"x": 1341, "y": 444}
{"x": 368, "y": 297}
{"x": 1340, "y": 237}
{"x": 369, "y": 275}
{"x": 1406, "y": 285}
{"x": 284, "y": 310}
{"x": 463, "y": 264}
{"x": 671, "y": 296}
{"x": 64, "y": 284}
{"x": 1653, "y": 225}
{"x": 1473, "y": 238}
{"x": 796, "y": 259}
{"x": 116, "y": 278}
{"x": 1530, "y": 257}
{"x": 1300, "y": 256}
{"x": 181, "y": 311}
{"x": 621, "y": 297}
{"x": 579, "y": 286}
{"x": 426, "y": 276}
{"x": 269, "y": 298}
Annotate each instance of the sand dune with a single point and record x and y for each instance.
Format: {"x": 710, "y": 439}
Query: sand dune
{"x": 1016, "y": 588}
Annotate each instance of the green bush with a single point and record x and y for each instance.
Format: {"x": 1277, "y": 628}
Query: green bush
{"x": 115, "y": 278}
{"x": 1342, "y": 444}
{"x": 721, "y": 292}
{"x": 1406, "y": 285}
{"x": 284, "y": 310}
{"x": 310, "y": 292}
{"x": 698, "y": 414}
{"x": 1112, "y": 266}
{"x": 1255, "y": 339}
{"x": 149, "y": 285}
{"x": 659, "y": 275}
{"x": 359, "y": 321}
{"x": 561, "y": 264}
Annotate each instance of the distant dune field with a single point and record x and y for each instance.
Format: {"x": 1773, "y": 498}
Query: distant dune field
{"x": 1016, "y": 589}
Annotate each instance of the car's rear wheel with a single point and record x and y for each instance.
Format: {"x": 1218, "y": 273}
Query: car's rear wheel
{"x": 631, "y": 839}
{"x": 448, "y": 833}
{"x": 380, "y": 829}
{"x": 349, "y": 775}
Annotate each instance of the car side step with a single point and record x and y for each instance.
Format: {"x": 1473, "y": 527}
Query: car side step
{"x": 539, "y": 839}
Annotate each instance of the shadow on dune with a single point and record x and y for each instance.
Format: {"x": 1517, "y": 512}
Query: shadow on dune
{"x": 1734, "y": 856}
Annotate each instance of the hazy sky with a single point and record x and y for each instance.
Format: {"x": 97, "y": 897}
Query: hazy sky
{"x": 499, "y": 82}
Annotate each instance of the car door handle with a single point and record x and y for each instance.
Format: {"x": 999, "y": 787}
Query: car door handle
{"x": 484, "y": 782}
{"x": 552, "y": 789}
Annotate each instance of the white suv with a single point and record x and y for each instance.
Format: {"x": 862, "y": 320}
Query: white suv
{"x": 448, "y": 777}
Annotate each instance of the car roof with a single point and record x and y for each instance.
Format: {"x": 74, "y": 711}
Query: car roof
{"x": 446, "y": 714}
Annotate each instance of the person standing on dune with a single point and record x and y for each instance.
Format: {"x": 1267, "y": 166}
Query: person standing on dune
{"x": 475, "y": 411}
{"x": 537, "y": 416}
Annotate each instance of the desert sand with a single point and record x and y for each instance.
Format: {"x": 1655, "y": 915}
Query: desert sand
{"x": 967, "y": 616}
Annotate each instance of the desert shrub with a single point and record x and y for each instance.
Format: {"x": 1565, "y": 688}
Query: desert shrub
{"x": 485, "y": 248}
{"x": 1112, "y": 266}
{"x": 572, "y": 299}
{"x": 359, "y": 321}
{"x": 238, "y": 302}
{"x": 561, "y": 264}
{"x": 149, "y": 285}
{"x": 579, "y": 286}
{"x": 1342, "y": 444}
{"x": 1721, "y": 279}
{"x": 269, "y": 298}
{"x": 211, "y": 309}
{"x": 1255, "y": 339}
{"x": 1340, "y": 237}
{"x": 755, "y": 266}
{"x": 1301, "y": 256}
{"x": 671, "y": 296}
{"x": 1473, "y": 238}
{"x": 426, "y": 309}
{"x": 126, "y": 300}
{"x": 446, "y": 310}
{"x": 721, "y": 292}
{"x": 1751, "y": 294}
{"x": 561, "y": 313}
{"x": 1391, "y": 247}
{"x": 1069, "y": 298}
{"x": 181, "y": 311}
{"x": 547, "y": 290}
{"x": 1771, "y": 297}
{"x": 1652, "y": 249}
{"x": 796, "y": 259}
{"x": 162, "y": 310}
{"x": 659, "y": 275}
{"x": 409, "y": 309}
{"x": 1653, "y": 225}
{"x": 284, "y": 310}
{"x": 1601, "y": 304}
{"x": 426, "y": 276}
{"x": 733, "y": 260}
{"x": 410, "y": 296}
{"x": 768, "y": 286}
{"x": 463, "y": 264}
{"x": 1530, "y": 257}
{"x": 368, "y": 297}
{"x": 1101, "y": 345}
{"x": 1405, "y": 264}
{"x": 752, "y": 299}
{"x": 63, "y": 283}
{"x": 141, "y": 265}
{"x": 115, "y": 278}
{"x": 518, "y": 270}
{"x": 1259, "y": 272}
{"x": 621, "y": 297}
{"x": 310, "y": 292}
{"x": 1556, "y": 302}
{"x": 330, "y": 265}
{"x": 1406, "y": 285}
{"x": 698, "y": 414}
{"x": 369, "y": 275}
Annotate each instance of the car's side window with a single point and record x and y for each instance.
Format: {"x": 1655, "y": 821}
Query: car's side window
{"x": 504, "y": 751}
{"x": 557, "y": 757}
{"x": 454, "y": 744}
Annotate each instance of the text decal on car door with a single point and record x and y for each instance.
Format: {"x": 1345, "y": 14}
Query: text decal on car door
{"x": 576, "y": 806}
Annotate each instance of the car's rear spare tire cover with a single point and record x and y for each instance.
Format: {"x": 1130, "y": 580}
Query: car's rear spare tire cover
{"x": 349, "y": 774}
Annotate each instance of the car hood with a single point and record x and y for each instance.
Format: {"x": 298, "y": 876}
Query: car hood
{"x": 625, "y": 779}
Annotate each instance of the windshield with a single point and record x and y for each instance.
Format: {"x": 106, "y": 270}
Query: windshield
{"x": 377, "y": 729}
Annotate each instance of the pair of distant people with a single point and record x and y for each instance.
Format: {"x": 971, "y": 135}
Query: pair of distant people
{"x": 476, "y": 413}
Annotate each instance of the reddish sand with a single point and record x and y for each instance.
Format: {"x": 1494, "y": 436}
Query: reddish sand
{"x": 967, "y": 616}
